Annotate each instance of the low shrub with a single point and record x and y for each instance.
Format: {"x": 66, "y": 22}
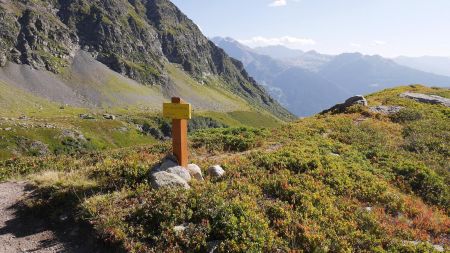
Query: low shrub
{"x": 406, "y": 115}
{"x": 228, "y": 139}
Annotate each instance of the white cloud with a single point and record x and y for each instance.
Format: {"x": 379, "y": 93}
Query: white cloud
{"x": 355, "y": 45}
{"x": 287, "y": 41}
{"x": 278, "y": 3}
{"x": 379, "y": 43}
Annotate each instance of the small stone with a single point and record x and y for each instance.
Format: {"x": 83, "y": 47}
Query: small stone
{"x": 109, "y": 116}
{"x": 216, "y": 171}
{"x": 63, "y": 217}
{"x": 212, "y": 246}
{"x": 3, "y": 59}
{"x": 165, "y": 179}
{"x": 179, "y": 228}
{"x": 86, "y": 116}
{"x": 8, "y": 129}
{"x": 368, "y": 209}
{"x": 195, "y": 171}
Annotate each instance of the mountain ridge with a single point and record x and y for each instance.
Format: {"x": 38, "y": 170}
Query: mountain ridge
{"x": 311, "y": 82}
{"x": 138, "y": 39}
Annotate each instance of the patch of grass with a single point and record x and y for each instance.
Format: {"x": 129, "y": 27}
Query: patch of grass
{"x": 255, "y": 119}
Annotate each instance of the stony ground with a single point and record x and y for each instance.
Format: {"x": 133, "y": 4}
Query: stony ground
{"x": 20, "y": 233}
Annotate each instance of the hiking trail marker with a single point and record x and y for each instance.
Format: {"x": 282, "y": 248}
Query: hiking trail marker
{"x": 180, "y": 112}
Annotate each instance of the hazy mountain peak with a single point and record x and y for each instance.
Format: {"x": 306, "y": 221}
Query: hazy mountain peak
{"x": 279, "y": 52}
{"x": 433, "y": 64}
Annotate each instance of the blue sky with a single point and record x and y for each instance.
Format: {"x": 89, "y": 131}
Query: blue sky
{"x": 386, "y": 27}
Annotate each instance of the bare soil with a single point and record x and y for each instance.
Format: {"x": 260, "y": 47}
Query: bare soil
{"x": 21, "y": 232}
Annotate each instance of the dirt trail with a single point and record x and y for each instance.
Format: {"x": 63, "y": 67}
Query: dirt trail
{"x": 32, "y": 234}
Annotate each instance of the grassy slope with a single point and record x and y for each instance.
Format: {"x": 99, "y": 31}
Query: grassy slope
{"x": 117, "y": 91}
{"x": 353, "y": 182}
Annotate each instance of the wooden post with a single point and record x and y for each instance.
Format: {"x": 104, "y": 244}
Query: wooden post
{"x": 179, "y": 137}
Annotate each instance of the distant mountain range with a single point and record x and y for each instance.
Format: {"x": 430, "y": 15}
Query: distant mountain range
{"x": 433, "y": 64}
{"x": 308, "y": 82}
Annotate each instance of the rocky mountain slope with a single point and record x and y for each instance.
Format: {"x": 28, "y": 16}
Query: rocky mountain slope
{"x": 149, "y": 41}
{"x": 309, "y": 82}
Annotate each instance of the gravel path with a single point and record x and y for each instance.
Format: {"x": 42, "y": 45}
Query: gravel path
{"x": 31, "y": 234}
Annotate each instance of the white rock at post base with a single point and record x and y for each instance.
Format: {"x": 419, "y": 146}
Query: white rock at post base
{"x": 216, "y": 171}
{"x": 165, "y": 179}
{"x": 181, "y": 172}
{"x": 195, "y": 171}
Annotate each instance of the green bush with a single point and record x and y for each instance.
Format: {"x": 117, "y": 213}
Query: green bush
{"x": 198, "y": 123}
{"x": 424, "y": 182}
{"x": 228, "y": 139}
{"x": 406, "y": 115}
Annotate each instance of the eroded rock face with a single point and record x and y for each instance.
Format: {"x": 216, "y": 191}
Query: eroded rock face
{"x": 429, "y": 99}
{"x": 165, "y": 179}
{"x": 355, "y": 100}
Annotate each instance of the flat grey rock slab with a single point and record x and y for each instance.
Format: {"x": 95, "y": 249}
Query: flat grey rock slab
{"x": 429, "y": 99}
{"x": 385, "y": 109}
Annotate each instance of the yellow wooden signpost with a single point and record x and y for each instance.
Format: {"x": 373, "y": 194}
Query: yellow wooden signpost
{"x": 180, "y": 112}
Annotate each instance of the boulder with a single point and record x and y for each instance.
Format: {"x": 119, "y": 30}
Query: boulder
{"x": 429, "y": 99}
{"x": 165, "y": 179}
{"x": 384, "y": 109}
{"x": 167, "y": 163}
{"x": 39, "y": 148}
{"x": 195, "y": 171}
{"x": 216, "y": 171}
{"x": 181, "y": 172}
{"x": 355, "y": 100}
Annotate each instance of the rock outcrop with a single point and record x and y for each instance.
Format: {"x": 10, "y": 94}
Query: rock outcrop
{"x": 429, "y": 99}
{"x": 355, "y": 100}
{"x": 385, "y": 109}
